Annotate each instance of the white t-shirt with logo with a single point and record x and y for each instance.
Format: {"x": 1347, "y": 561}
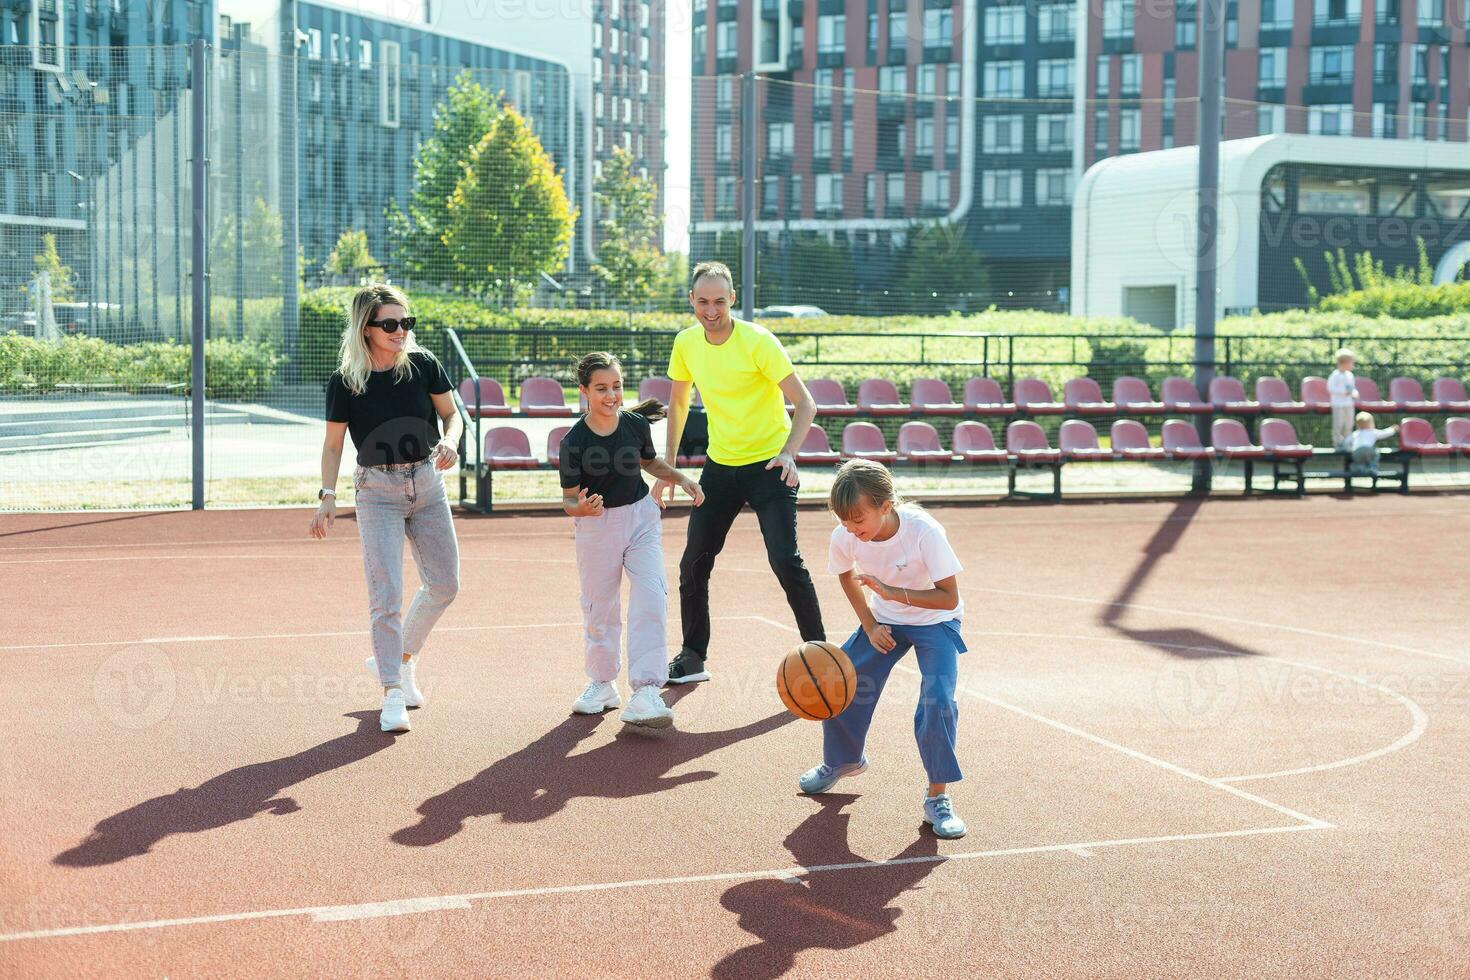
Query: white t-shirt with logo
{"x": 917, "y": 556}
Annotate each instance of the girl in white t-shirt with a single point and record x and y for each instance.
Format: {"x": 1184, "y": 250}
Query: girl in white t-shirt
{"x": 902, "y": 555}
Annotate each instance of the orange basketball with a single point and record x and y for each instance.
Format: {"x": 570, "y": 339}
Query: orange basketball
{"x": 816, "y": 681}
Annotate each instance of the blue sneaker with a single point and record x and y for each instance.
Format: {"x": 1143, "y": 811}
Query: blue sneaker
{"x": 824, "y": 777}
{"x": 939, "y": 814}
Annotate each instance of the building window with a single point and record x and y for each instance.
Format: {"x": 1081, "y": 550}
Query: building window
{"x": 831, "y": 33}
{"x": 725, "y": 195}
{"x": 1418, "y": 120}
{"x": 952, "y": 134}
{"x": 1056, "y": 22}
{"x": 1130, "y": 75}
{"x": 389, "y": 84}
{"x": 697, "y": 45}
{"x": 1431, "y": 13}
{"x": 1005, "y": 79}
{"x": 771, "y": 194}
{"x": 1054, "y": 76}
{"x": 1129, "y": 129}
{"x": 822, "y": 86}
{"x": 1000, "y": 188}
{"x": 1270, "y": 119}
{"x": 822, "y": 139}
{"x": 1117, "y": 19}
{"x": 1272, "y": 72}
{"x": 1005, "y": 25}
{"x": 894, "y": 202}
{"x": 893, "y": 80}
{"x": 934, "y": 189}
{"x": 1333, "y": 12}
{"x": 1385, "y": 123}
{"x": 795, "y": 201}
{"x": 829, "y": 193}
{"x": 847, "y": 139}
{"x": 952, "y": 81}
{"x": 1386, "y": 63}
{"x": 1330, "y": 120}
{"x": 1054, "y": 132}
{"x": 48, "y": 28}
{"x": 924, "y": 137}
{"x": 1104, "y": 65}
{"x": 925, "y": 80}
{"x": 1421, "y": 64}
{"x": 898, "y": 30}
{"x": 938, "y": 28}
{"x": 1332, "y": 65}
{"x": 780, "y": 136}
{"x": 1100, "y": 124}
{"x": 1054, "y": 187}
{"x": 724, "y": 146}
{"x": 870, "y": 194}
{"x": 1276, "y": 15}
{"x": 1002, "y": 134}
{"x": 724, "y": 92}
{"x": 727, "y": 36}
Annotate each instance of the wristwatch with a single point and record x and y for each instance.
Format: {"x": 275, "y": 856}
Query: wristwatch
{"x": 323, "y": 492}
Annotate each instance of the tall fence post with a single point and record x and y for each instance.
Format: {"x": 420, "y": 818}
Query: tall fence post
{"x": 748, "y": 135}
{"x": 290, "y": 176}
{"x": 1211, "y": 56}
{"x": 198, "y": 194}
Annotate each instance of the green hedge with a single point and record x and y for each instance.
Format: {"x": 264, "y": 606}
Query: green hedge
{"x": 1402, "y": 300}
{"x": 236, "y": 369}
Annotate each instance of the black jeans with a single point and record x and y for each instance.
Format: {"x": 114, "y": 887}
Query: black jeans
{"x": 726, "y": 490}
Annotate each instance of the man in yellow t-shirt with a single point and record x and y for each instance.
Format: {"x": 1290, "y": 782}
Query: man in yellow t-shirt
{"x": 742, "y": 372}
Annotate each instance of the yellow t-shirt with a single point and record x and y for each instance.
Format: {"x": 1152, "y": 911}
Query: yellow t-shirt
{"x": 738, "y": 383}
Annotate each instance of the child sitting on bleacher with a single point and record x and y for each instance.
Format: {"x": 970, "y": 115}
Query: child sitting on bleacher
{"x": 1362, "y": 445}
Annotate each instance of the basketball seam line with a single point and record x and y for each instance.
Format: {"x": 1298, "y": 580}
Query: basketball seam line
{"x": 787, "y": 684}
{"x": 801, "y": 652}
{"x": 846, "y": 695}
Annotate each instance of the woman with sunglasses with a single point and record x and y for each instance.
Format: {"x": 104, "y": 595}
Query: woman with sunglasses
{"x": 392, "y": 396}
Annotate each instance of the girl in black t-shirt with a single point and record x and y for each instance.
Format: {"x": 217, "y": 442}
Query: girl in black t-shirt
{"x": 393, "y": 396}
{"x": 603, "y": 459}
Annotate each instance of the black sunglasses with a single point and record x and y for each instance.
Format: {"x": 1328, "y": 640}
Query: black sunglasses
{"x": 391, "y": 325}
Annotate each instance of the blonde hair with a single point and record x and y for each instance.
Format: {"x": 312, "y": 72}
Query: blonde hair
{"x": 355, "y": 361}
{"x": 1343, "y": 352}
{"x": 1363, "y": 418}
{"x": 718, "y": 270}
{"x": 861, "y": 480}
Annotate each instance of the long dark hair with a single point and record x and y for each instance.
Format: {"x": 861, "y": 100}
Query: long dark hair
{"x": 650, "y": 408}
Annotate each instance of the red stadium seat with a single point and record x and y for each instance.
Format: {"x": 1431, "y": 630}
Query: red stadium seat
{"x": 660, "y": 388}
{"x": 1228, "y": 395}
{"x": 1315, "y": 394}
{"x": 864, "y": 440}
{"x": 509, "y": 449}
{"x": 1408, "y": 396}
{"x": 1450, "y": 392}
{"x": 492, "y": 398}
{"x": 1026, "y": 441}
{"x": 543, "y": 398}
{"x": 553, "y": 444}
{"x": 1457, "y": 434}
{"x": 1181, "y": 441}
{"x": 930, "y": 396}
{"x": 1232, "y": 441}
{"x": 1278, "y": 436}
{"x": 1370, "y": 399}
{"x": 1034, "y": 396}
{"x": 1082, "y": 396}
{"x": 984, "y": 397}
{"x": 816, "y": 450}
{"x": 1180, "y": 395}
{"x": 830, "y": 397}
{"x": 698, "y": 459}
{"x": 919, "y": 443}
{"x": 1132, "y": 396}
{"x": 1078, "y": 440}
{"x": 1417, "y": 436}
{"x": 975, "y": 443}
{"x": 1130, "y": 441}
{"x": 879, "y": 396}
{"x": 1274, "y": 396}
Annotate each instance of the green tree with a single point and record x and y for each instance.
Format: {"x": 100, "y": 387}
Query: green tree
{"x": 261, "y": 243}
{"x": 509, "y": 217}
{"x": 672, "y": 289}
{"x": 940, "y": 271}
{"x": 48, "y": 260}
{"x": 628, "y": 230}
{"x": 351, "y": 257}
{"x": 460, "y": 123}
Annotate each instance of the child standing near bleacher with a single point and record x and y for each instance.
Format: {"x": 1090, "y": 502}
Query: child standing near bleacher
{"x": 1343, "y": 388}
{"x": 1362, "y": 445}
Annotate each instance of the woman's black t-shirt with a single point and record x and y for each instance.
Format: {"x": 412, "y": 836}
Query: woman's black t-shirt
{"x": 609, "y": 465}
{"x": 391, "y": 422}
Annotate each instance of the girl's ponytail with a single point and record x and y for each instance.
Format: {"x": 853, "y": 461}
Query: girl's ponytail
{"x": 651, "y": 409}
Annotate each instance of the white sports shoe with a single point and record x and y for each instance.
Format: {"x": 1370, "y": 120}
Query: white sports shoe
{"x": 599, "y": 697}
{"x": 394, "y": 717}
{"x": 411, "y": 692}
{"x": 646, "y": 709}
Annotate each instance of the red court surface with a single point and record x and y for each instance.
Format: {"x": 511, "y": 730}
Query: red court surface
{"x": 1220, "y": 738}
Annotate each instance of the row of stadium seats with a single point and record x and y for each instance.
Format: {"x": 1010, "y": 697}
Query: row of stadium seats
{"x": 1026, "y": 443}
{"x": 544, "y": 397}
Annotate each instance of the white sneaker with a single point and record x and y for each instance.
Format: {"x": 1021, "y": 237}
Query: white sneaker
{"x": 646, "y": 709}
{"x": 599, "y": 697}
{"x": 411, "y": 692}
{"x": 394, "y": 717}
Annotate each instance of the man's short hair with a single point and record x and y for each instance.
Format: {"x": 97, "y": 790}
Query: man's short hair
{"x": 717, "y": 269}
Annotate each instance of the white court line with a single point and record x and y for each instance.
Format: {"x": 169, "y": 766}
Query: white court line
{"x": 1223, "y": 619}
{"x": 1062, "y": 726}
{"x": 335, "y": 913}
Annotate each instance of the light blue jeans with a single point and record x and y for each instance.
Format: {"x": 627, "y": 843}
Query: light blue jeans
{"x": 936, "y": 720}
{"x": 394, "y": 503}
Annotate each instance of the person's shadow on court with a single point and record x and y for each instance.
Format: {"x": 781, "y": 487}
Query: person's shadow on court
{"x": 537, "y": 781}
{"x": 823, "y": 909}
{"x": 232, "y": 796}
